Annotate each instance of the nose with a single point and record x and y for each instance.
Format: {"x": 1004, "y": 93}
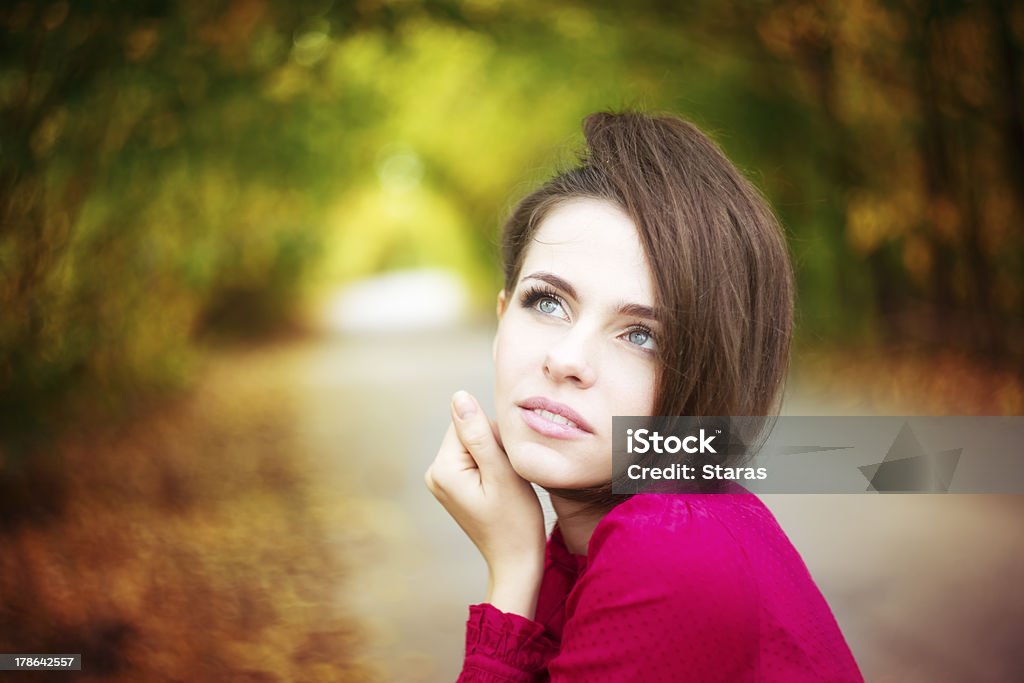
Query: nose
{"x": 568, "y": 360}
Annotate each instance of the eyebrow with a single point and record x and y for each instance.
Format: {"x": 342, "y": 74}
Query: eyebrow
{"x": 636, "y": 310}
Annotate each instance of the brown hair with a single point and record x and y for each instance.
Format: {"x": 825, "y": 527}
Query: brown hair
{"x": 722, "y": 275}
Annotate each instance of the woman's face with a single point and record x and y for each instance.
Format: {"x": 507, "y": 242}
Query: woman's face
{"x": 575, "y": 345}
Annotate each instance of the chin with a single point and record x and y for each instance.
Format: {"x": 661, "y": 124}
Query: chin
{"x": 535, "y": 463}
{"x": 545, "y": 467}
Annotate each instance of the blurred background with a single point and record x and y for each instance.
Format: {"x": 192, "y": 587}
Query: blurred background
{"x": 248, "y": 249}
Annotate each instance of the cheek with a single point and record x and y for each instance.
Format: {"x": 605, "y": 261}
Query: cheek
{"x": 502, "y": 356}
{"x": 634, "y": 391}
{"x": 651, "y": 387}
{"x": 515, "y": 350}
{"x": 508, "y": 367}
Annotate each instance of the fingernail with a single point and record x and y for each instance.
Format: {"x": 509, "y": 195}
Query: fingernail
{"x": 464, "y": 404}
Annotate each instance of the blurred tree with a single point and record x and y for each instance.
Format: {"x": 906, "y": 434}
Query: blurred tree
{"x": 173, "y": 168}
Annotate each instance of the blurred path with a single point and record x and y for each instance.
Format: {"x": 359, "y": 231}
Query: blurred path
{"x": 381, "y": 403}
{"x": 926, "y": 588}
{"x": 371, "y": 412}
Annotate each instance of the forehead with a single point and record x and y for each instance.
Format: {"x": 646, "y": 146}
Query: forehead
{"x": 594, "y": 245}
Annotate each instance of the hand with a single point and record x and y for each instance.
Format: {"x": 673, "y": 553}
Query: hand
{"x": 499, "y": 510}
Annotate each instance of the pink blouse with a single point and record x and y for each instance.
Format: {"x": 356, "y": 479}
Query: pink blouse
{"x": 694, "y": 587}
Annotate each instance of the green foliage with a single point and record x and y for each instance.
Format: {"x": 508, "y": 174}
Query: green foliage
{"x": 171, "y": 169}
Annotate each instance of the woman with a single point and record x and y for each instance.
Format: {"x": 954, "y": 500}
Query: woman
{"x": 652, "y": 279}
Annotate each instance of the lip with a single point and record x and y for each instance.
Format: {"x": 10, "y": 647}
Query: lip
{"x": 545, "y": 427}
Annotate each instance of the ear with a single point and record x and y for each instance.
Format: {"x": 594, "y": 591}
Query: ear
{"x": 502, "y": 301}
{"x": 500, "y": 310}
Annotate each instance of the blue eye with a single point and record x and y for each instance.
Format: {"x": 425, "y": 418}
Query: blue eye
{"x": 543, "y": 300}
{"x": 642, "y": 337}
{"x": 639, "y": 337}
{"x": 548, "y": 305}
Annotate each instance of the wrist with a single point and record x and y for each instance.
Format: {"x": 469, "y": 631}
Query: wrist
{"x": 515, "y": 590}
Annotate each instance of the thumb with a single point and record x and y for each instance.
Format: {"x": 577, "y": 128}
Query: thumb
{"x": 476, "y": 434}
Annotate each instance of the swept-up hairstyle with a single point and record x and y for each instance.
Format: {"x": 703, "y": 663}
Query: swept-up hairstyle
{"x": 722, "y": 275}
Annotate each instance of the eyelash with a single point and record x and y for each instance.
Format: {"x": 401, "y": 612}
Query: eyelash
{"x": 532, "y": 295}
{"x": 535, "y": 293}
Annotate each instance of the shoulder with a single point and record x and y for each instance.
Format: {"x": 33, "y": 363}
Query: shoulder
{"x": 651, "y": 522}
{"x": 670, "y": 537}
{"x": 668, "y": 564}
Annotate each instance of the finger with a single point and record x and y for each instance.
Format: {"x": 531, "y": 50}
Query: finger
{"x": 497, "y": 434}
{"x": 477, "y": 435}
{"x": 452, "y": 456}
{"x": 451, "y": 460}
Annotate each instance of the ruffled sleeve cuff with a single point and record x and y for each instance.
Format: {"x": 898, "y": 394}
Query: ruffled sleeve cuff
{"x": 503, "y": 647}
